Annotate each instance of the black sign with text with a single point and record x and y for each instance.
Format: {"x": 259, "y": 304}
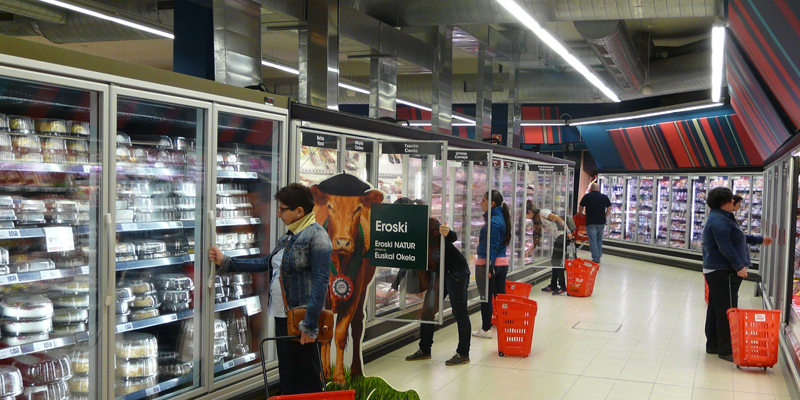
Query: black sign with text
{"x": 365, "y": 146}
{"x": 467, "y": 155}
{"x": 313, "y": 139}
{"x": 416, "y": 148}
{"x": 548, "y": 168}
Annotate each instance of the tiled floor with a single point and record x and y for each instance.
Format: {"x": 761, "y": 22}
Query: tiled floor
{"x": 657, "y": 353}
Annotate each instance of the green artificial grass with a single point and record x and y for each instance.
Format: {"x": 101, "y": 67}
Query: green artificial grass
{"x": 371, "y": 388}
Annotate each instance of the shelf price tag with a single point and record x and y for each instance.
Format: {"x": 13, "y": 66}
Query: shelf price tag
{"x": 173, "y": 317}
{"x": 9, "y": 233}
{"x": 50, "y": 274}
{"x": 153, "y": 390}
{"x": 228, "y": 365}
{"x": 84, "y": 270}
{"x": 250, "y": 357}
{"x": 7, "y": 279}
{"x": 10, "y": 352}
{"x": 59, "y": 239}
{"x": 125, "y": 328}
{"x": 46, "y": 345}
{"x": 253, "y": 305}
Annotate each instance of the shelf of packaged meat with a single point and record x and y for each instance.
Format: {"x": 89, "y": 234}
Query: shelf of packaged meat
{"x": 234, "y": 363}
{"x": 50, "y": 344}
{"x": 155, "y": 321}
{"x": 236, "y": 175}
{"x": 164, "y": 261}
{"x": 153, "y": 390}
{"x": 35, "y": 276}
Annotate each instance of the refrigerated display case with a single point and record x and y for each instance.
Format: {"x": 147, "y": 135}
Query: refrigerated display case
{"x": 679, "y": 213}
{"x": 663, "y": 195}
{"x": 756, "y": 206}
{"x": 645, "y": 210}
{"x": 699, "y": 189}
{"x": 631, "y": 207}
{"x": 616, "y": 193}
{"x": 520, "y": 219}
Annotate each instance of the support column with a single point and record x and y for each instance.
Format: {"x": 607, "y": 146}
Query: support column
{"x": 513, "y": 137}
{"x": 442, "y": 83}
{"x": 382, "y": 87}
{"x": 483, "y": 103}
{"x": 237, "y": 42}
{"x": 319, "y": 55}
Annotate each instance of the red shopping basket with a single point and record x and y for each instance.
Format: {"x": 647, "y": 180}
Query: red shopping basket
{"x": 339, "y": 395}
{"x": 754, "y": 337}
{"x": 515, "y": 320}
{"x": 520, "y": 289}
{"x": 581, "y": 275}
{"x": 580, "y": 228}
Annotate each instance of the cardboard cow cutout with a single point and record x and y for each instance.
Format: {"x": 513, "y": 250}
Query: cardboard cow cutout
{"x": 342, "y": 206}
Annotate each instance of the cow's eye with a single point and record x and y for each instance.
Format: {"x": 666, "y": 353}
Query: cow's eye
{"x": 330, "y": 208}
{"x": 358, "y": 209}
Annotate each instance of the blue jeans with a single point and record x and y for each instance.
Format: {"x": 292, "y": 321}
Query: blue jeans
{"x": 595, "y": 233}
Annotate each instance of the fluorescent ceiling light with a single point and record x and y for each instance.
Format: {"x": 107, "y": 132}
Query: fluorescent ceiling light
{"x": 645, "y": 115}
{"x": 353, "y": 88}
{"x": 542, "y": 123}
{"x": 280, "y": 67}
{"x": 458, "y": 117}
{"x": 120, "y": 21}
{"x": 429, "y": 124}
{"x": 415, "y": 105}
{"x": 717, "y": 59}
{"x": 527, "y": 19}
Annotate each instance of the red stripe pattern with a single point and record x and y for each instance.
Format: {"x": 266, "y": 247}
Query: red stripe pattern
{"x": 541, "y": 134}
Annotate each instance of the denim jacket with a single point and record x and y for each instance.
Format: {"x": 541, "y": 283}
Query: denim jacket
{"x": 497, "y": 249}
{"x": 305, "y": 271}
{"x": 724, "y": 243}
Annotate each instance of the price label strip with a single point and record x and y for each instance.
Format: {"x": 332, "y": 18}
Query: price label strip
{"x": 46, "y": 345}
{"x": 153, "y": 390}
{"x": 9, "y": 233}
{"x": 59, "y": 239}
{"x": 9, "y": 279}
{"x": 10, "y": 352}
{"x": 228, "y": 365}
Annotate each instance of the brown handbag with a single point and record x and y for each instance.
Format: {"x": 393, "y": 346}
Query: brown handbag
{"x": 295, "y": 315}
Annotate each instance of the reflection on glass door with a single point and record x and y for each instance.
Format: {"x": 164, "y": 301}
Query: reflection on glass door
{"x": 679, "y": 212}
{"x": 616, "y": 194}
{"x": 645, "y": 218}
{"x": 756, "y": 207}
{"x": 698, "y": 211}
{"x": 631, "y": 207}
{"x": 663, "y": 211}
{"x": 247, "y": 180}
{"x": 518, "y": 214}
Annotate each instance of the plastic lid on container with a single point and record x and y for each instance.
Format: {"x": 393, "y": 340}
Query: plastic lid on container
{"x": 69, "y": 329}
{"x": 144, "y": 313}
{"x": 175, "y": 296}
{"x": 124, "y": 293}
{"x": 41, "y": 369}
{"x": 78, "y": 128}
{"x": 26, "y": 306}
{"x": 123, "y": 138}
{"x": 174, "y": 282}
{"x": 51, "y": 125}
{"x": 79, "y": 384}
{"x": 237, "y": 278}
{"x": 78, "y": 284}
{"x": 136, "y": 345}
{"x": 71, "y": 301}
{"x": 24, "y": 338}
{"x": 22, "y": 204}
{"x": 52, "y": 391}
{"x": 175, "y": 370}
{"x": 127, "y": 386}
{"x": 41, "y": 264}
{"x": 146, "y": 301}
{"x": 70, "y": 316}
{"x": 21, "y": 124}
{"x": 79, "y": 358}
{"x": 136, "y": 367}
{"x": 141, "y": 287}
{"x": 10, "y": 381}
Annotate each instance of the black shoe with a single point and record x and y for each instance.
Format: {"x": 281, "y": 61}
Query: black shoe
{"x": 419, "y": 355}
{"x": 712, "y": 351}
{"x": 559, "y": 291}
{"x": 547, "y": 289}
{"x": 728, "y": 357}
{"x": 457, "y": 359}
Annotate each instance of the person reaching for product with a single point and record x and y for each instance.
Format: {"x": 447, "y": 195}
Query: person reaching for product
{"x": 726, "y": 257}
{"x": 495, "y": 259}
{"x": 303, "y": 284}
{"x": 554, "y": 225}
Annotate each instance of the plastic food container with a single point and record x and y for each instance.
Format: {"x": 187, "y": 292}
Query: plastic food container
{"x": 78, "y": 147}
{"x": 77, "y": 128}
{"x": 136, "y": 345}
{"x": 10, "y": 381}
{"x": 221, "y": 291}
{"x": 68, "y": 329}
{"x": 127, "y": 386}
{"x": 41, "y": 369}
{"x": 78, "y": 284}
{"x": 32, "y": 157}
{"x": 141, "y": 287}
{"x": 21, "y": 124}
{"x": 137, "y": 367}
{"x": 70, "y": 316}
{"x": 77, "y": 159}
{"x": 176, "y": 245}
{"x": 79, "y": 384}
{"x": 174, "y": 282}
{"x": 220, "y": 329}
{"x": 175, "y": 296}
{"x": 240, "y": 291}
{"x": 24, "y": 338}
{"x": 167, "y": 357}
{"x": 220, "y": 347}
{"x": 124, "y": 249}
{"x": 175, "y": 307}
{"x": 150, "y": 248}
{"x": 124, "y": 217}
{"x": 25, "y": 326}
{"x": 27, "y": 306}
{"x": 188, "y": 189}
{"x": 26, "y": 144}
{"x": 185, "y": 203}
{"x": 171, "y": 371}
{"x": 51, "y": 126}
{"x": 79, "y": 358}
{"x": 7, "y": 202}
{"x": 236, "y": 323}
{"x": 7, "y": 215}
{"x": 164, "y": 142}
{"x": 123, "y": 138}
{"x": 62, "y": 218}
{"x": 146, "y": 301}
{"x": 30, "y": 218}
{"x": 71, "y": 301}
{"x": 145, "y": 313}
{"x": 29, "y": 205}
{"x": 121, "y": 318}
{"x": 4, "y": 123}
{"x": 124, "y": 293}
{"x": 52, "y": 391}
{"x": 54, "y": 145}
{"x": 56, "y": 205}
{"x": 33, "y": 265}
{"x": 237, "y": 278}
{"x": 5, "y": 141}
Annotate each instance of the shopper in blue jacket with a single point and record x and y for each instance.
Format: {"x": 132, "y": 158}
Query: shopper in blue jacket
{"x": 724, "y": 266}
{"x": 496, "y": 259}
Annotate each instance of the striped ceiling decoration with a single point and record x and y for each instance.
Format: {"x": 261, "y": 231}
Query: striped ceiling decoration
{"x": 710, "y": 142}
{"x": 642, "y": 148}
{"x": 541, "y": 134}
{"x": 763, "y": 125}
{"x": 769, "y": 32}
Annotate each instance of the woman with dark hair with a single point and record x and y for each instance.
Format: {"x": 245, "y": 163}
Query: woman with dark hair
{"x": 299, "y": 268}
{"x": 554, "y": 225}
{"x": 725, "y": 262}
{"x": 499, "y": 218}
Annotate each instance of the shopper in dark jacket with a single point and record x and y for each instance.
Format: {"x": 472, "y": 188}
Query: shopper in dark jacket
{"x": 723, "y": 268}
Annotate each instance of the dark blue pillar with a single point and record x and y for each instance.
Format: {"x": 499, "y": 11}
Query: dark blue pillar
{"x": 193, "y": 47}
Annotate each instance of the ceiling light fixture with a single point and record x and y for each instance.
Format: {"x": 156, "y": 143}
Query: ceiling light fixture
{"x": 530, "y": 22}
{"x": 543, "y": 123}
{"x": 353, "y": 88}
{"x": 280, "y": 67}
{"x": 110, "y": 18}
{"x": 663, "y": 111}
{"x": 717, "y": 58}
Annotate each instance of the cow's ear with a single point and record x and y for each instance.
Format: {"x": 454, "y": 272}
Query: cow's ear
{"x": 373, "y": 196}
{"x": 320, "y": 198}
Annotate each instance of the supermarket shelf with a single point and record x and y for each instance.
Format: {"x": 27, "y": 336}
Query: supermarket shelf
{"x": 155, "y": 321}
{"x": 21, "y": 233}
{"x": 234, "y": 363}
{"x": 163, "y": 386}
{"x": 25, "y": 277}
{"x": 136, "y": 170}
{"x": 161, "y": 262}
{"x": 50, "y": 344}
{"x": 239, "y": 221}
{"x": 154, "y": 226}
{"x": 234, "y": 304}
{"x": 236, "y": 175}
{"x": 47, "y": 167}
{"x": 253, "y": 251}
{"x": 41, "y": 189}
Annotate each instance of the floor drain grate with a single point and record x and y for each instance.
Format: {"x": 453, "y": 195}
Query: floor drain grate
{"x": 597, "y": 326}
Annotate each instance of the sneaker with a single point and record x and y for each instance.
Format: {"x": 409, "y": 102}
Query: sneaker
{"x": 480, "y": 333}
{"x": 559, "y": 291}
{"x": 547, "y": 289}
{"x": 457, "y": 359}
{"x": 419, "y": 355}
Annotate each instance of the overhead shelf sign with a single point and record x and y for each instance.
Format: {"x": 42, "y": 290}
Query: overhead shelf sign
{"x": 313, "y": 139}
{"x": 414, "y": 148}
{"x": 359, "y": 145}
{"x": 467, "y": 155}
{"x": 548, "y": 168}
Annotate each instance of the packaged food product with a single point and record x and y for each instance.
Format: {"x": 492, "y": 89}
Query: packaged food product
{"x": 220, "y": 329}
{"x": 70, "y": 316}
{"x": 54, "y": 145}
{"x": 71, "y": 301}
{"x": 77, "y": 128}
{"x": 167, "y": 357}
{"x": 30, "y": 218}
{"x": 150, "y": 247}
{"x": 164, "y": 142}
{"x": 121, "y": 205}
{"x": 146, "y": 301}
{"x": 128, "y": 386}
{"x": 10, "y": 381}
{"x": 141, "y": 287}
{"x": 124, "y": 293}
{"x": 188, "y": 189}
{"x": 175, "y": 307}
{"x": 186, "y": 216}
{"x": 177, "y": 244}
{"x": 220, "y": 347}
{"x": 221, "y": 291}
{"x": 7, "y": 215}
{"x": 237, "y": 321}
{"x": 3, "y": 256}
{"x": 124, "y": 217}
{"x": 170, "y": 371}
{"x": 79, "y": 384}
{"x": 7, "y": 202}
{"x": 78, "y": 284}
{"x": 144, "y": 313}
{"x": 238, "y": 350}
{"x": 124, "y": 154}
{"x": 21, "y": 124}
{"x": 24, "y": 338}
{"x": 125, "y": 249}
{"x": 78, "y": 396}
{"x": 62, "y": 218}
{"x": 33, "y": 158}
{"x": 51, "y": 391}
{"x": 79, "y": 358}
{"x": 26, "y": 307}
{"x": 26, "y": 144}
{"x": 173, "y": 282}
{"x": 123, "y": 138}
{"x": 23, "y": 326}
{"x": 237, "y": 278}
{"x": 5, "y": 141}
{"x": 121, "y": 318}
{"x": 185, "y": 203}
{"x": 41, "y": 368}
{"x": 7, "y": 156}
{"x": 77, "y": 159}
{"x": 136, "y": 345}
{"x": 51, "y": 126}
{"x": 69, "y": 329}
{"x": 4, "y": 123}
{"x": 29, "y": 205}
{"x": 123, "y": 307}
{"x": 240, "y": 291}
{"x": 137, "y": 367}
{"x": 32, "y": 265}
{"x": 61, "y": 206}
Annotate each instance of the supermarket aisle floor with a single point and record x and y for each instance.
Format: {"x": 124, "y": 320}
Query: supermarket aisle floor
{"x": 657, "y": 353}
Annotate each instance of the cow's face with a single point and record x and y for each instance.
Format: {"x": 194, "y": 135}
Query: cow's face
{"x": 344, "y": 214}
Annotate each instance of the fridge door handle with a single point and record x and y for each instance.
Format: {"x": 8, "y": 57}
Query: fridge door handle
{"x": 212, "y": 220}
{"x": 109, "y": 222}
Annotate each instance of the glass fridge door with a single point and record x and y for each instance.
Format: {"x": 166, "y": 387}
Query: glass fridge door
{"x": 662, "y": 211}
{"x": 616, "y": 194}
{"x": 678, "y": 217}
{"x": 756, "y": 205}
{"x": 698, "y": 211}
{"x": 319, "y": 157}
{"x": 52, "y": 133}
{"x": 160, "y": 144}
{"x": 359, "y": 156}
{"x": 645, "y": 225}
{"x": 248, "y": 174}
{"x": 631, "y": 207}
{"x": 518, "y": 214}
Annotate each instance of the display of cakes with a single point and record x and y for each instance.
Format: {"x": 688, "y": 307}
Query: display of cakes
{"x": 45, "y": 376}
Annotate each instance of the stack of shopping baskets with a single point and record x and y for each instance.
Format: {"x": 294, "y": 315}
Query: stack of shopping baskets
{"x": 520, "y": 289}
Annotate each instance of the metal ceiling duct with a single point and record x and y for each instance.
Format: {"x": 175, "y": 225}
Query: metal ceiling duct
{"x": 35, "y": 10}
{"x": 612, "y": 43}
{"x": 237, "y": 42}
{"x": 20, "y": 26}
{"x": 452, "y": 12}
